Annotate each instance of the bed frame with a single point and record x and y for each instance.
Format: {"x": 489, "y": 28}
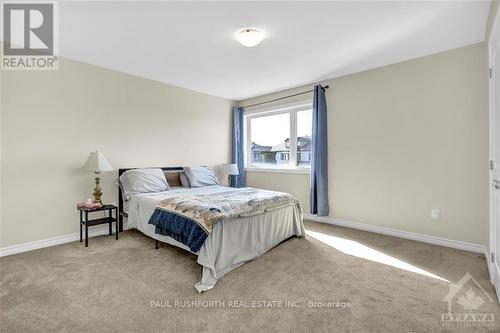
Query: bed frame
{"x": 121, "y": 213}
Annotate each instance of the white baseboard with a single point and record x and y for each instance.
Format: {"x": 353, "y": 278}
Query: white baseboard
{"x": 496, "y": 280}
{"x": 489, "y": 264}
{"x": 401, "y": 234}
{"x": 93, "y": 232}
{"x": 5, "y": 251}
{"x": 495, "y": 277}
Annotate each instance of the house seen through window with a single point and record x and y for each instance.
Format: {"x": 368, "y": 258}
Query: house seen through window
{"x": 280, "y": 139}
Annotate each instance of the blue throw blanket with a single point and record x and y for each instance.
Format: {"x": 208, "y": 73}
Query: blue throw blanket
{"x": 179, "y": 227}
{"x": 189, "y": 219}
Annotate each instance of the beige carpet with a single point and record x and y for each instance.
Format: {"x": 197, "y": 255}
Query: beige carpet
{"x": 109, "y": 287}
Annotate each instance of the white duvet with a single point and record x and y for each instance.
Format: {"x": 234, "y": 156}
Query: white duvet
{"x": 231, "y": 243}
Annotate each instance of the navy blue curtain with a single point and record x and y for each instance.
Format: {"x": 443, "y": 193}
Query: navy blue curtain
{"x": 319, "y": 155}
{"x": 237, "y": 152}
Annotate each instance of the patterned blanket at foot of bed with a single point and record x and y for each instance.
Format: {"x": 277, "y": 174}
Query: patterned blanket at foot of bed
{"x": 189, "y": 219}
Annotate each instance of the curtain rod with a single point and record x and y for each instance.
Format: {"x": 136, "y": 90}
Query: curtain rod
{"x": 284, "y": 97}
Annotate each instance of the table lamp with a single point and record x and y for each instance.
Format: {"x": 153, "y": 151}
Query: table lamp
{"x": 230, "y": 170}
{"x": 97, "y": 163}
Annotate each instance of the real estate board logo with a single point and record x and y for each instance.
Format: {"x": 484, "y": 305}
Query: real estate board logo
{"x": 465, "y": 300}
{"x": 30, "y": 32}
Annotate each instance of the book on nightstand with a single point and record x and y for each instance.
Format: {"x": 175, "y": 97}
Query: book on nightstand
{"x": 89, "y": 204}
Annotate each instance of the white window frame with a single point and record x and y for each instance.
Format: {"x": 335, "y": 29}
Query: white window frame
{"x": 291, "y": 109}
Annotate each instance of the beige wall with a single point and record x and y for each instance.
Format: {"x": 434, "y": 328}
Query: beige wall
{"x": 51, "y": 120}
{"x": 404, "y": 139}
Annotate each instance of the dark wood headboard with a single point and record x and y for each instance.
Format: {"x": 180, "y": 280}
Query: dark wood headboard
{"x": 121, "y": 213}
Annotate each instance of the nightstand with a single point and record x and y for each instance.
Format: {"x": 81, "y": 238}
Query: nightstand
{"x": 84, "y": 220}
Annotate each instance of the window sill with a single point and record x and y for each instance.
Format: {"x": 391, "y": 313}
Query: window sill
{"x": 279, "y": 170}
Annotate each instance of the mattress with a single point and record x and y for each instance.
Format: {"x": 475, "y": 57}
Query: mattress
{"x": 225, "y": 248}
{"x": 126, "y": 203}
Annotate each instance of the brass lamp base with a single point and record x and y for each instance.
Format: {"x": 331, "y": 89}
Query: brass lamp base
{"x": 97, "y": 190}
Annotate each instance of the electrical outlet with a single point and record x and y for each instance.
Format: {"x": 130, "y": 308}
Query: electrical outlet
{"x": 435, "y": 214}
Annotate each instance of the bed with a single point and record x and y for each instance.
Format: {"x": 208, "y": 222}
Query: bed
{"x": 230, "y": 244}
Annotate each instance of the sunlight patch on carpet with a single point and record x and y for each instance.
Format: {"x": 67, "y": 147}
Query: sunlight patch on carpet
{"x": 362, "y": 251}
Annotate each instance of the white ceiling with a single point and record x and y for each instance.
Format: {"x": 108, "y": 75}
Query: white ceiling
{"x": 191, "y": 45}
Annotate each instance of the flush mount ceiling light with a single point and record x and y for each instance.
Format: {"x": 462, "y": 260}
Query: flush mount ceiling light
{"x": 249, "y": 37}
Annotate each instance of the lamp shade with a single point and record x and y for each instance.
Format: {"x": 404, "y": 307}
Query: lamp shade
{"x": 97, "y": 162}
{"x": 231, "y": 169}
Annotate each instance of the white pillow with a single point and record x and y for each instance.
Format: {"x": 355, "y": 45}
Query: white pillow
{"x": 201, "y": 176}
{"x": 136, "y": 181}
{"x": 184, "y": 180}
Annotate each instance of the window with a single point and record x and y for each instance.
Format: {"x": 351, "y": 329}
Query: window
{"x": 279, "y": 138}
{"x": 304, "y": 134}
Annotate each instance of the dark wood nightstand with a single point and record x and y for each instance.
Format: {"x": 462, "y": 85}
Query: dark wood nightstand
{"x": 84, "y": 220}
